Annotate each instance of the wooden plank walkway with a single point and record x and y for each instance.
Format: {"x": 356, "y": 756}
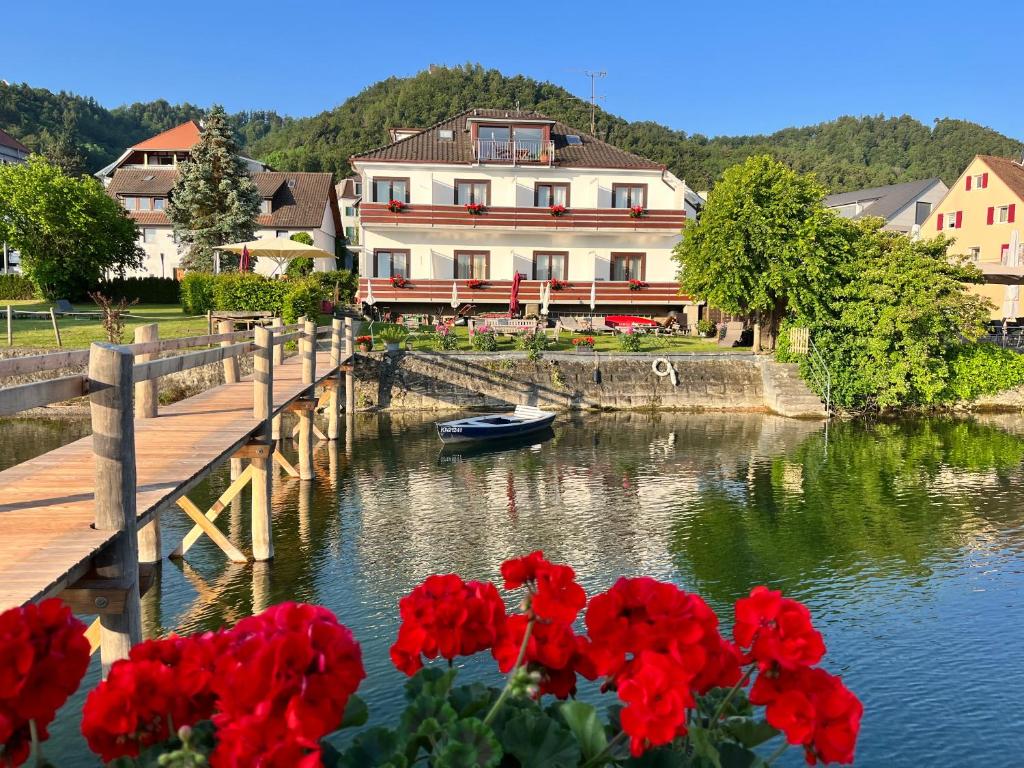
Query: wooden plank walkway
{"x": 47, "y": 504}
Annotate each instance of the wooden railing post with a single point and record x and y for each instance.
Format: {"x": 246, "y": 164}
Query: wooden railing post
{"x": 333, "y": 431}
{"x": 276, "y": 324}
{"x": 231, "y": 372}
{"x": 350, "y": 376}
{"x": 113, "y": 444}
{"x": 307, "y": 348}
{"x": 262, "y": 408}
{"x": 146, "y": 407}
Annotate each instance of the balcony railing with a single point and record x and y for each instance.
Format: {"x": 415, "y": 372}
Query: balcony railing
{"x": 514, "y": 152}
{"x": 496, "y": 292}
{"x": 419, "y": 216}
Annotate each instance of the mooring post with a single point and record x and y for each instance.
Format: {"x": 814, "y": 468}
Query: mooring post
{"x": 112, "y": 409}
{"x": 10, "y": 326}
{"x": 333, "y": 431}
{"x": 277, "y": 323}
{"x": 350, "y": 375}
{"x": 231, "y": 372}
{"x": 56, "y": 328}
{"x": 307, "y": 345}
{"x": 262, "y": 407}
{"x": 146, "y": 407}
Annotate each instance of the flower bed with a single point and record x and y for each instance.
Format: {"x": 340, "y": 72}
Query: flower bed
{"x": 267, "y": 691}
{"x": 583, "y": 342}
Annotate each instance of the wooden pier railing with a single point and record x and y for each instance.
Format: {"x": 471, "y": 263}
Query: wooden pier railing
{"x": 77, "y": 522}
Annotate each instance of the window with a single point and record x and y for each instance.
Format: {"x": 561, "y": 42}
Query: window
{"x": 391, "y": 263}
{"x": 550, "y": 265}
{"x": 628, "y": 266}
{"x": 357, "y": 187}
{"x": 472, "y": 191}
{"x": 130, "y": 203}
{"x": 472, "y": 265}
{"x": 149, "y": 234}
{"x": 386, "y": 190}
{"x": 446, "y": 134}
{"x": 350, "y": 211}
{"x": 145, "y": 203}
{"x": 1004, "y": 253}
{"x": 974, "y": 253}
{"x": 629, "y": 195}
{"x": 545, "y": 195}
{"x": 267, "y": 206}
{"x": 350, "y": 236}
{"x": 951, "y": 220}
{"x": 1003, "y": 214}
{"x": 158, "y": 203}
{"x": 921, "y": 212}
{"x": 573, "y": 139}
{"x": 281, "y": 233}
{"x": 978, "y": 181}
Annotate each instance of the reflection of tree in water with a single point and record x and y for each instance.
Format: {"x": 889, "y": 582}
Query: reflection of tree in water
{"x": 886, "y": 498}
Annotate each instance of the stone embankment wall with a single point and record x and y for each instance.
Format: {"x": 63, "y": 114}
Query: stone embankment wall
{"x": 420, "y": 380}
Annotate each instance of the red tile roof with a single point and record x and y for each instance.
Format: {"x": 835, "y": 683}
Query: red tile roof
{"x": 9, "y": 141}
{"x": 428, "y": 147}
{"x": 1010, "y": 171}
{"x": 181, "y": 137}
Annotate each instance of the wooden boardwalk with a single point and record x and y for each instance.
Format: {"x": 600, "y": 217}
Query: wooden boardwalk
{"x": 47, "y": 506}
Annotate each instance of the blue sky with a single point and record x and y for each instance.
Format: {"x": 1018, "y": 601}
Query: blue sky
{"x": 714, "y": 68}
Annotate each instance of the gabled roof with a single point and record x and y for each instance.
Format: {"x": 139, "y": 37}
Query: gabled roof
{"x": 1009, "y": 171}
{"x": 180, "y": 137}
{"x": 7, "y": 140}
{"x": 428, "y": 147}
{"x": 883, "y": 201}
{"x": 299, "y": 198}
{"x": 347, "y": 188}
{"x": 142, "y": 181}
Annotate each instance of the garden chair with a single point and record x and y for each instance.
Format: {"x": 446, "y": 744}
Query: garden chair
{"x": 729, "y": 334}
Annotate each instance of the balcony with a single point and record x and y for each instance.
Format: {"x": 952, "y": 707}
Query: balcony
{"x": 573, "y": 297}
{"x": 582, "y": 220}
{"x": 514, "y": 152}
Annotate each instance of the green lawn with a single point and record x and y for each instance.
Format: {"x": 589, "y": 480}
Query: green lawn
{"x": 602, "y": 343}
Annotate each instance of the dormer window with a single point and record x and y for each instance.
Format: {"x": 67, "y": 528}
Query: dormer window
{"x": 267, "y": 206}
{"x": 446, "y": 134}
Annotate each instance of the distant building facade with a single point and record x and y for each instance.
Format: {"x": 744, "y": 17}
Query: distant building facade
{"x": 142, "y": 179}
{"x": 11, "y": 151}
{"x": 350, "y": 194}
{"x": 903, "y": 206}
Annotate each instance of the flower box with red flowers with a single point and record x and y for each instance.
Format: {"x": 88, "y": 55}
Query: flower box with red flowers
{"x": 475, "y": 209}
{"x": 558, "y": 210}
{"x": 365, "y": 343}
{"x": 397, "y": 281}
{"x": 637, "y": 211}
{"x": 636, "y": 285}
{"x": 270, "y": 690}
{"x": 476, "y": 284}
{"x": 583, "y": 342}
{"x": 396, "y": 206}
{"x": 559, "y": 285}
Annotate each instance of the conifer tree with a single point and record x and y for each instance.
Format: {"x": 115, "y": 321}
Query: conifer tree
{"x": 62, "y": 149}
{"x": 214, "y": 200}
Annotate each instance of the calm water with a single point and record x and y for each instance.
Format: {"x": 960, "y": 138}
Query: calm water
{"x": 905, "y": 539}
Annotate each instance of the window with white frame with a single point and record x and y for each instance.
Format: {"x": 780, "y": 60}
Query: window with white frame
{"x": 281, "y": 233}
{"x": 391, "y": 263}
{"x": 974, "y": 253}
{"x": 1003, "y": 214}
{"x": 149, "y": 234}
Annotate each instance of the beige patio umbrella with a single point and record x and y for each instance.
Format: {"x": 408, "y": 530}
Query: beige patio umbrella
{"x": 455, "y": 295}
{"x": 280, "y": 250}
{"x": 545, "y": 297}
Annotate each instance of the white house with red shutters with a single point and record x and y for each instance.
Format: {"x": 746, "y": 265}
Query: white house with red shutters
{"x": 487, "y": 193}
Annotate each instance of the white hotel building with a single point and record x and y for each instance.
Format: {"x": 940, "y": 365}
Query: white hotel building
{"x": 623, "y": 215}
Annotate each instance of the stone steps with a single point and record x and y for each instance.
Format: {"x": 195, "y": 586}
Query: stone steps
{"x": 786, "y": 394}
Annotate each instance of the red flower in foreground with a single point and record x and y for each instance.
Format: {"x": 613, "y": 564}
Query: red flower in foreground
{"x": 555, "y": 594}
{"x": 777, "y": 630}
{"x": 812, "y": 708}
{"x": 656, "y": 691}
{"x": 447, "y": 617}
{"x": 552, "y": 648}
{"x": 43, "y": 656}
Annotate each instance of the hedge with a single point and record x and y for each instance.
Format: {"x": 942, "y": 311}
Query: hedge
{"x": 148, "y": 290}
{"x": 347, "y": 283}
{"x": 202, "y": 292}
{"x": 197, "y": 293}
{"x": 16, "y": 287}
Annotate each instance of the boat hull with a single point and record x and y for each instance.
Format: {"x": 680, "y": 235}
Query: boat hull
{"x": 455, "y": 432}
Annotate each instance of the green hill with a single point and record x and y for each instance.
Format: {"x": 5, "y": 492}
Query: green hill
{"x": 847, "y": 153}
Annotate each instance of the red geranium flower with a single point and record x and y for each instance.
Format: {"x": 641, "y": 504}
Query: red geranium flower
{"x": 656, "y": 692}
{"x": 555, "y": 594}
{"x": 777, "y": 630}
{"x": 552, "y": 647}
{"x": 448, "y": 617}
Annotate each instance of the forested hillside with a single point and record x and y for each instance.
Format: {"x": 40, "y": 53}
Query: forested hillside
{"x": 847, "y": 153}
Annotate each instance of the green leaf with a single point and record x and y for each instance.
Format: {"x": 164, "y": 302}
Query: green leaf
{"x": 375, "y": 748}
{"x": 749, "y": 732}
{"x": 474, "y": 699}
{"x": 735, "y": 756}
{"x": 585, "y": 726}
{"x": 661, "y": 757}
{"x": 356, "y": 713}
{"x": 538, "y": 741}
{"x": 431, "y": 681}
{"x": 468, "y": 744}
{"x": 704, "y": 746}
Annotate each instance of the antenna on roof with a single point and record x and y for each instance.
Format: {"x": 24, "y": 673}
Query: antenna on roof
{"x": 594, "y": 97}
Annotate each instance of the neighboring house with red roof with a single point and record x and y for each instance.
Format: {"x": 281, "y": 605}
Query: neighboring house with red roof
{"x": 11, "y": 150}
{"x": 489, "y": 193}
{"x": 143, "y": 176}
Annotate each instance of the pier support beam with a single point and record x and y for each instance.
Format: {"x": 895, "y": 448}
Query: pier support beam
{"x": 333, "y": 427}
{"x": 350, "y": 375}
{"x": 113, "y": 440}
{"x": 146, "y": 407}
{"x": 277, "y": 323}
{"x": 262, "y": 468}
{"x": 231, "y": 371}
{"x": 307, "y": 348}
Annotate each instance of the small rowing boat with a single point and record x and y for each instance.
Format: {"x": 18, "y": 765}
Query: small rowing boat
{"x": 495, "y": 426}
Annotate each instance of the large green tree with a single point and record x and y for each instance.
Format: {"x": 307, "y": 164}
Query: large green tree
{"x": 69, "y": 232}
{"x": 764, "y": 244}
{"x": 61, "y": 149}
{"x": 214, "y": 201}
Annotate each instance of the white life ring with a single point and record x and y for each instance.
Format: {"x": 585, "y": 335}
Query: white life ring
{"x": 662, "y": 367}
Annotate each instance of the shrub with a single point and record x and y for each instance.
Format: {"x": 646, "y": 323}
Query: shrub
{"x": 146, "y": 290}
{"x": 630, "y": 341}
{"x": 444, "y": 338}
{"x": 247, "y": 292}
{"x": 16, "y": 287}
{"x": 302, "y": 297}
{"x": 391, "y": 333}
{"x": 983, "y": 369}
{"x": 705, "y": 327}
{"x": 339, "y": 285}
{"x": 484, "y": 339}
{"x": 533, "y": 343}
{"x": 197, "y": 293}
